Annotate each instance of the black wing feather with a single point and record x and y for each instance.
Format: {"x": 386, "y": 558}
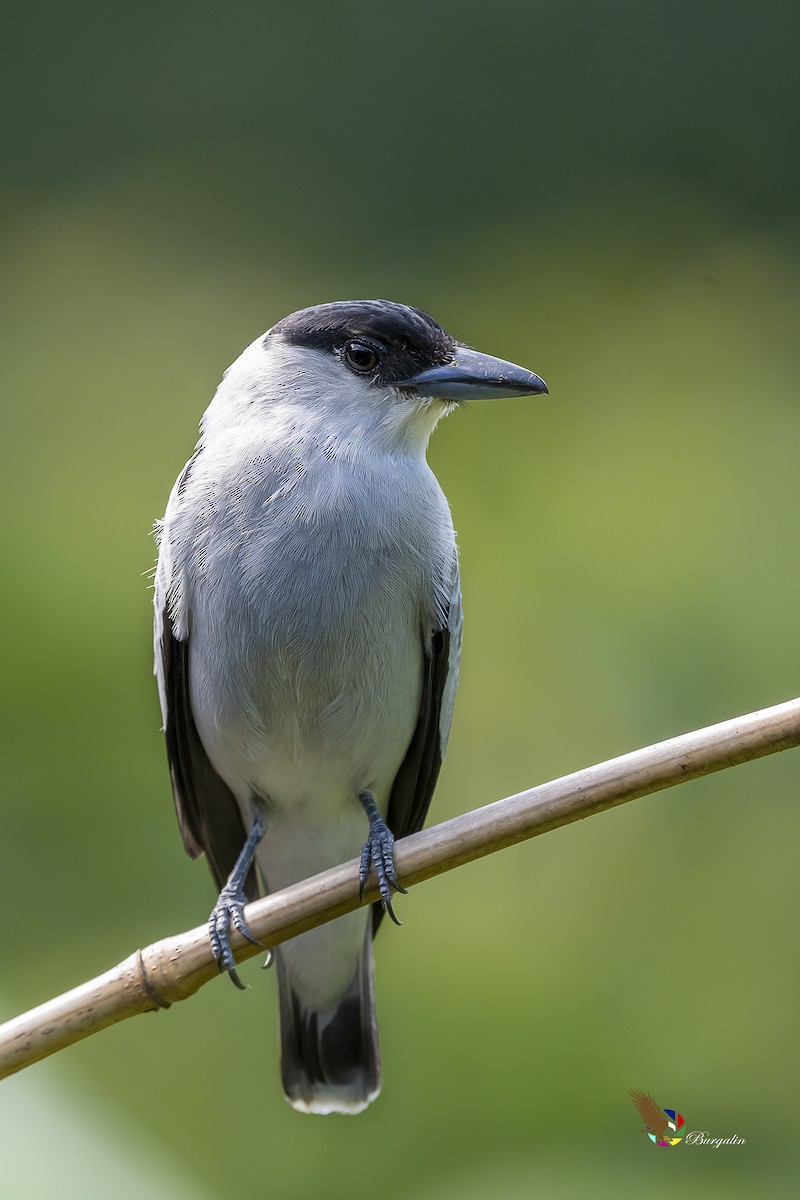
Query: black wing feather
{"x": 413, "y": 786}
{"x": 414, "y": 783}
{"x": 207, "y": 811}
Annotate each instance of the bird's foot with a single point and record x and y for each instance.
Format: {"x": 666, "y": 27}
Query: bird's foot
{"x": 229, "y": 910}
{"x": 378, "y": 854}
{"x": 228, "y": 913}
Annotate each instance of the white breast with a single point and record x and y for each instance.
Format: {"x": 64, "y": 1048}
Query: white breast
{"x": 309, "y": 583}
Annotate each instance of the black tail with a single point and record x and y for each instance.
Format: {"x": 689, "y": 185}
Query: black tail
{"x": 330, "y": 1060}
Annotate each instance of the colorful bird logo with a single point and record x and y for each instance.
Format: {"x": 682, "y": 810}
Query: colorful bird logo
{"x": 660, "y": 1123}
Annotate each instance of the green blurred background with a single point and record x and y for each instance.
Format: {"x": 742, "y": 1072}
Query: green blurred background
{"x": 607, "y": 193}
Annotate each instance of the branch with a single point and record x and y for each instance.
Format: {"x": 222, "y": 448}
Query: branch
{"x": 178, "y": 966}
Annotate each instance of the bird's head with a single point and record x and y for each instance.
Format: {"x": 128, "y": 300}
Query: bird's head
{"x": 371, "y": 369}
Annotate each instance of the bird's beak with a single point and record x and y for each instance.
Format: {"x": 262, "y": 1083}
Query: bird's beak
{"x": 474, "y": 376}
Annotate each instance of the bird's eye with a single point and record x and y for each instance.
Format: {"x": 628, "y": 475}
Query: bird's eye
{"x": 361, "y": 357}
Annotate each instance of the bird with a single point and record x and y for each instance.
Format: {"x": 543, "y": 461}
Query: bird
{"x": 655, "y": 1119}
{"x": 307, "y": 640}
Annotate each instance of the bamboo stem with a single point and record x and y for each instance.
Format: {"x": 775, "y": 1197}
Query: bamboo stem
{"x": 175, "y": 967}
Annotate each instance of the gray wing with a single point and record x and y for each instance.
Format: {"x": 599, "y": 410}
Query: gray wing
{"x": 415, "y": 781}
{"x": 208, "y": 815}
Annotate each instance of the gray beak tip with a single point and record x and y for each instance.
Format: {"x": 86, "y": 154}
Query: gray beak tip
{"x": 474, "y": 376}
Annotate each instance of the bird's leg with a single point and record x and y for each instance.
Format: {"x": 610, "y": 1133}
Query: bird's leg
{"x": 378, "y": 852}
{"x": 229, "y": 909}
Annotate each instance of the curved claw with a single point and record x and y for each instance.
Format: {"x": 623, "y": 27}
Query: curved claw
{"x": 227, "y": 912}
{"x": 378, "y": 853}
